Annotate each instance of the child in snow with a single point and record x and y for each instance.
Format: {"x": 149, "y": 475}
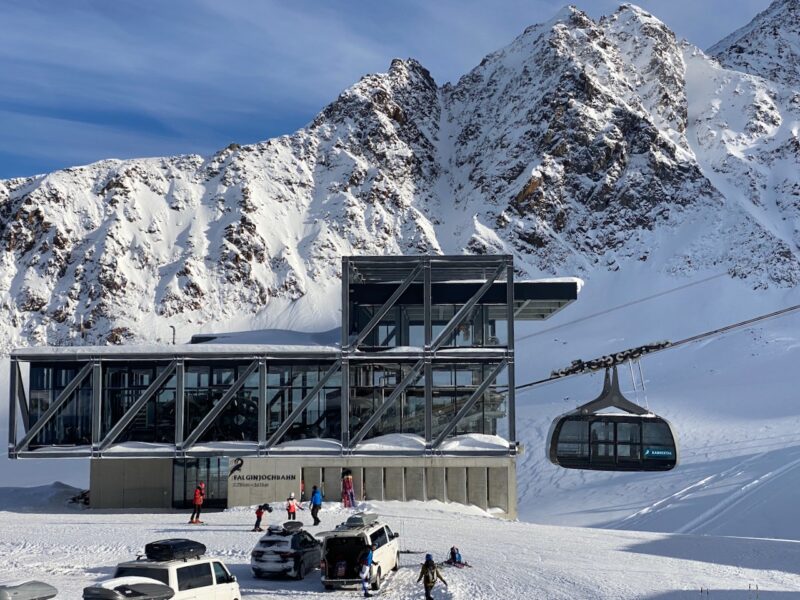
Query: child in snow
{"x": 428, "y": 576}
{"x": 292, "y": 506}
{"x": 260, "y": 513}
{"x": 455, "y": 558}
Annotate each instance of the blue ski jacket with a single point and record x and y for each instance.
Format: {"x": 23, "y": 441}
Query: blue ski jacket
{"x": 316, "y": 498}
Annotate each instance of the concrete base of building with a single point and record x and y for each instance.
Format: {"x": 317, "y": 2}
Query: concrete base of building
{"x": 487, "y": 482}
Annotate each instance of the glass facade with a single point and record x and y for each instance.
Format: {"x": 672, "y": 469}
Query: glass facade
{"x": 123, "y": 383}
{"x": 452, "y": 385}
{"x": 484, "y": 326}
{"x": 204, "y": 386}
{"x": 72, "y": 423}
{"x": 287, "y": 385}
{"x": 188, "y": 473}
{"x": 427, "y": 294}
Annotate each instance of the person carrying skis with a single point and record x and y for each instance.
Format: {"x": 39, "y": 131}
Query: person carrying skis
{"x": 259, "y": 514}
{"x": 316, "y": 504}
{"x": 292, "y": 506}
{"x": 197, "y": 502}
{"x": 428, "y": 576}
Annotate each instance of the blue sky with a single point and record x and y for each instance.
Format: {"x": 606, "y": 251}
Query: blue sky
{"x": 83, "y": 80}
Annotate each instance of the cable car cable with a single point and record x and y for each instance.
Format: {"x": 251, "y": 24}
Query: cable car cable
{"x": 620, "y": 306}
{"x": 694, "y": 338}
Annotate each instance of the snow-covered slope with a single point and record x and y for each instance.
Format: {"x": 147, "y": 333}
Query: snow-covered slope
{"x": 509, "y": 559}
{"x": 733, "y": 402}
{"x": 768, "y": 46}
{"x": 581, "y": 147}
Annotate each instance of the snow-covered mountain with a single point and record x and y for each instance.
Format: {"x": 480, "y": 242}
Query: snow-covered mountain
{"x": 768, "y": 46}
{"x": 581, "y": 147}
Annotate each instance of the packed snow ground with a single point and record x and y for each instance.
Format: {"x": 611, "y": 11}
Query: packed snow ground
{"x": 71, "y": 548}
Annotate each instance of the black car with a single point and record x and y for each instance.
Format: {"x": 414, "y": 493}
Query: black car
{"x": 286, "y": 550}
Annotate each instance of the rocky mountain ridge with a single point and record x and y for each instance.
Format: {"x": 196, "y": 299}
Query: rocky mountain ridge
{"x": 582, "y": 145}
{"x": 768, "y": 46}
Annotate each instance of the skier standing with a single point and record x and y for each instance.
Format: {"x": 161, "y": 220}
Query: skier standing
{"x": 316, "y": 504}
{"x": 197, "y": 502}
{"x": 428, "y": 575}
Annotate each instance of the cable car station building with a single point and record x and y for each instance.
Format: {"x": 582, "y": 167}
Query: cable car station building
{"x": 414, "y": 398}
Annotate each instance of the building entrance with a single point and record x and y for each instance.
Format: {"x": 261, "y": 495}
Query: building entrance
{"x": 188, "y": 473}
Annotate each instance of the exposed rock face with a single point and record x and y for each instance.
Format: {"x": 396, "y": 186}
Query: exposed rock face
{"x": 768, "y": 46}
{"x": 582, "y": 145}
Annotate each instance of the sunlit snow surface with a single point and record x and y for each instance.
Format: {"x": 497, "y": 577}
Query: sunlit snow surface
{"x": 510, "y": 560}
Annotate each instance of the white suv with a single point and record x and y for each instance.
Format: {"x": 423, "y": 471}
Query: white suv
{"x": 191, "y": 578}
{"x": 345, "y": 547}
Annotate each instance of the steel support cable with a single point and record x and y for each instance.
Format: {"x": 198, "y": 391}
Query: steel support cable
{"x": 625, "y": 305}
{"x": 695, "y": 338}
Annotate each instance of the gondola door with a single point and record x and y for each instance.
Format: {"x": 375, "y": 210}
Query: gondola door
{"x": 602, "y": 441}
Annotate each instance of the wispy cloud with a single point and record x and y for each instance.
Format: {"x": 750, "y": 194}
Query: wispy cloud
{"x": 87, "y": 79}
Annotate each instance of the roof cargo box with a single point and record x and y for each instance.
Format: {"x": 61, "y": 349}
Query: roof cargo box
{"x": 292, "y": 526}
{"x": 174, "y": 549}
{"x": 361, "y": 520}
{"x": 139, "y": 591}
{"x": 29, "y": 590}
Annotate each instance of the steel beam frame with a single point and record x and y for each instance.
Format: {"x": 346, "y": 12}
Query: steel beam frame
{"x": 137, "y": 406}
{"x": 22, "y": 400}
{"x": 411, "y": 377}
{"x": 216, "y": 411}
{"x": 309, "y": 397}
{"x": 387, "y": 306}
{"x": 262, "y": 404}
{"x": 464, "y": 310}
{"x": 407, "y": 270}
{"x": 59, "y": 402}
{"x": 97, "y": 403}
{"x": 12, "y": 406}
{"x": 476, "y": 395}
{"x": 512, "y": 410}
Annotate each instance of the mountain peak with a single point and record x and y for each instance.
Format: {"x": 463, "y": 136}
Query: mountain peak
{"x": 768, "y": 46}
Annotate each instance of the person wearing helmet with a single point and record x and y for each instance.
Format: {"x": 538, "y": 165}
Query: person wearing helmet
{"x": 197, "y": 502}
{"x": 428, "y": 576}
{"x": 291, "y": 507}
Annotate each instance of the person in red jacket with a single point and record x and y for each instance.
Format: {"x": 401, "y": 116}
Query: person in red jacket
{"x": 199, "y": 496}
{"x": 259, "y": 515}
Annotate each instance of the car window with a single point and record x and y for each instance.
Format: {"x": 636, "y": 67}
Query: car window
{"x": 389, "y": 532}
{"x": 220, "y": 574}
{"x": 194, "y": 576}
{"x": 379, "y": 537}
{"x": 161, "y": 575}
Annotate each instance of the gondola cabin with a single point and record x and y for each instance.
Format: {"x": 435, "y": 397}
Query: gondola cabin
{"x": 613, "y": 442}
{"x": 636, "y": 440}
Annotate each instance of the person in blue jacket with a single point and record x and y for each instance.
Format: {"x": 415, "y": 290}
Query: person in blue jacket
{"x": 316, "y": 504}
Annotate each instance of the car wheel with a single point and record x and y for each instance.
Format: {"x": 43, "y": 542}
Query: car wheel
{"x": 376, "y": 583}
{"x": 299, "y": 571}
{"x": 396, "y": 562}
{"x": 328, "y": 587}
